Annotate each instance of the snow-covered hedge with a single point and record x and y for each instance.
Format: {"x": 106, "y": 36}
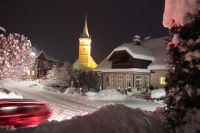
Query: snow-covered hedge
{"x": 158, "y": 93}
{"x": 107, "y": 95}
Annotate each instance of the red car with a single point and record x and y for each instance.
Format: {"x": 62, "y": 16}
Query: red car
{"x": 22, "y": 112}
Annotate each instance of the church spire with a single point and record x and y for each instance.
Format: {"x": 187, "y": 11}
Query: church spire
{"x": 85, "y": 33}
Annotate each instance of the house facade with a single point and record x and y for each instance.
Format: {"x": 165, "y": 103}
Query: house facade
{"x": 42, "y": 64}
{"x": 135, "y": 67}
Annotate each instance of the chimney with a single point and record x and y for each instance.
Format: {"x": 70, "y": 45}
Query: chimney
{"x": 137, "y": 40}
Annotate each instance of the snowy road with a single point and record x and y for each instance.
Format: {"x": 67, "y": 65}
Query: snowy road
{"x": 63, "y": 106}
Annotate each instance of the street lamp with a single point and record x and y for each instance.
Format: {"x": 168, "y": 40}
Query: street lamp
{"x": 33, "y": 54}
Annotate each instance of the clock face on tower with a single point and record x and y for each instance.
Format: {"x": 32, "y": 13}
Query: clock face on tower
{"x": 85, "y": 51}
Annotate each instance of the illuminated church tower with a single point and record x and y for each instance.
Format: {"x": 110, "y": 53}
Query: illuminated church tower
{"x": 85, "y": 60}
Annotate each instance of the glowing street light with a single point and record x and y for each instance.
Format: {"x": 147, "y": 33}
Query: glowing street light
{"x": 33, "y": 54}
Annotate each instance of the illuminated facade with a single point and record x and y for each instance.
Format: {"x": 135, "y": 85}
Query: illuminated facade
{"x": 135, "y": 67}
{"x": 85, "y": 60}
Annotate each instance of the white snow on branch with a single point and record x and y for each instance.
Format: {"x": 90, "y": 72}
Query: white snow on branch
{"x": 180, "y": 12}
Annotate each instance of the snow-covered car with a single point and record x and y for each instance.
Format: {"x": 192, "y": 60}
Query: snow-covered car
{"x": 22, "y": 112}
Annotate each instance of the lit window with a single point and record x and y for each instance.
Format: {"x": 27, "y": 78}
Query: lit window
{"x": 162, "y": 80}
{"x": 28, "y": 72}
{"x": 33, "y": 72}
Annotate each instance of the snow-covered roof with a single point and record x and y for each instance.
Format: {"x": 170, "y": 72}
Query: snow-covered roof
{"x": 139, "y": 52}
{"x": 158, "y": 47}
{"x": 153, "y": 49}
{"x": 48, "y": 57}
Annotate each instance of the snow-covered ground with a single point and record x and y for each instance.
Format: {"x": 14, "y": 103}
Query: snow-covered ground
{"x": 67, "y": 105}
{"x": 106, "y": 97}
{"x": 158, "y": 93}
{"x": 62, "y": 106}
{"x": 4, "y": 93}
{"x": 93, "y": 113}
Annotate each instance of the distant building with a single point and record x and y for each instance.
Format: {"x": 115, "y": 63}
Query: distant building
{"x": 85, "y": 60}
{"x": 136, "y": 67}
{"x": 43, "y": 63}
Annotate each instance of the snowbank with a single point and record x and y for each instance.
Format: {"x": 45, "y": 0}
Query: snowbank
{"x": 70, "y": 90}
{"x": 90, "y": 93}
{"x": 158, "y": 93}
{"x": 22, "y": 84}
{"x": 108, "y": 119}
{"x": 180, "y": 12}
{"x": 107, "y": 95}
{"x": 8, "y": 94}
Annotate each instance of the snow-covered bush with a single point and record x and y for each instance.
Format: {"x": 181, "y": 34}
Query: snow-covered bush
{"x": 15, "y": 56}
{"x": 158, "y": 93}
{"x": 59, "y": 75}
{"x": 107, "y": 95}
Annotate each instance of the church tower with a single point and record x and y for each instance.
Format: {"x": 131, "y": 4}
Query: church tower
{"x": 85, "y": 60}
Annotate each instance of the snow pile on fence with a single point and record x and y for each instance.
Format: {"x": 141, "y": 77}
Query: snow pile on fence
{"x": 158, "y": 93}
{"x": 108, "y": 119}
{"x": 4, "y": 94}
{"x": 107, "y": 95}
{"x": 180, "y": 12}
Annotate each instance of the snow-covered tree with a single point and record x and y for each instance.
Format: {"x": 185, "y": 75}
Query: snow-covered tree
{"x": 182, "y": 18}
{"x": 15, "y": 55}
{"x": 51, "y": 74}
{"x": 88, "y": 80}
{"x": 59, "y": 74}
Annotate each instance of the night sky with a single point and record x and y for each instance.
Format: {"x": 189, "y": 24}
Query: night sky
{"x": 55, "y": 25}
